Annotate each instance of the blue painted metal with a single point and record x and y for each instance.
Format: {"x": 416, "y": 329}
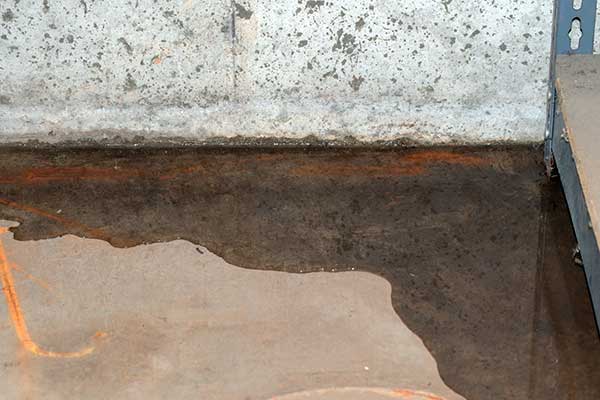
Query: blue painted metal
{"x": 586, "y": 237}
{"x": 557, "y": 150}
{"x": 548, "y": 142}
{"x": 564, "y": 14}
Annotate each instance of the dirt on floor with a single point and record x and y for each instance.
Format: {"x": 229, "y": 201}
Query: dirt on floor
{"x": 476, "y": 242}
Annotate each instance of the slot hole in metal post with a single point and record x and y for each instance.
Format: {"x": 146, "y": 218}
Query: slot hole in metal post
{"x": 575, "y": 33}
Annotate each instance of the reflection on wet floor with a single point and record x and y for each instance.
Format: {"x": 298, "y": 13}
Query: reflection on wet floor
{"x": 474, "y": 241}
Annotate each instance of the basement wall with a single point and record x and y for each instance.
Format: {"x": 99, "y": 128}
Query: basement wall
{"x": 431, "y": 71}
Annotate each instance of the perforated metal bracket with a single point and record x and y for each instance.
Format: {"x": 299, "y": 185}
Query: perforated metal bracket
{"x": 574, "y": 25}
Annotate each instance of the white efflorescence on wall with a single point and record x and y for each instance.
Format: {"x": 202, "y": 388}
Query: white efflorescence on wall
{"x": 433, "y": 71}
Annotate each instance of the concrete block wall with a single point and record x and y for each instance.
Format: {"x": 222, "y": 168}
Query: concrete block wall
{"x": 431, "y": 71}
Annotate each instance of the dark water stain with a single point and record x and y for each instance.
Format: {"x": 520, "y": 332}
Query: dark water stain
{"x": 475, "y": 242}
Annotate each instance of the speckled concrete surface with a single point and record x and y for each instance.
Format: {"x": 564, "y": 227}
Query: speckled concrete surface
{"x": 436, "y": 71}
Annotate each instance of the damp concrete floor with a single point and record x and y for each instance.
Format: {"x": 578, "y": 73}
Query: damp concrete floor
{"x": 251, "y": 274}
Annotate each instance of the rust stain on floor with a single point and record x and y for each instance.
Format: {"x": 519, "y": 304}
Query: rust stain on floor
{"x": 68, "y": 223}
{"x": 46, "y": 175}
{"x": 59, "y": 174}
{"x": 359, "y": 393}
{"x": 40, "y": 282}
{"x": 17, "y": 316}
{"x": 411, "y": 165}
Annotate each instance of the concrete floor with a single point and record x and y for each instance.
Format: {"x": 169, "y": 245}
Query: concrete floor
{"x": 172, "y": 320}
{"x": 184, "y": 273}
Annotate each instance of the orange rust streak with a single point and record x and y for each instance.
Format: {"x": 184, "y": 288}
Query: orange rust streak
{"x": 406, "y": 394}
{"x": 67, "y": 222}
{"x": 357, "y": 170}
{"x": 399, "y": 165}
{"x": 403, "y": 165}
{"x": 410, "y": 393}
{"x": 50, "y": 174}
{"x": 54, "y": 174}
{"x": 40, "y": 282}
{"x": 17, "y": 317}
